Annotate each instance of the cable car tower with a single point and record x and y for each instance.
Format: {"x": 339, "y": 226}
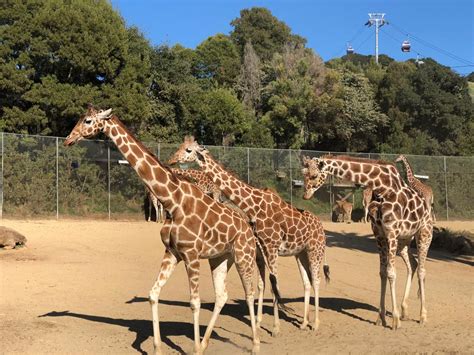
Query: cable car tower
{"x": 378, "y": 20}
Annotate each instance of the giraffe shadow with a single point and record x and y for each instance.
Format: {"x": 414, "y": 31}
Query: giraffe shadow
{"x": 353, "y": 241}
{"x": 143, "y": 329}
{"x": 341, "y": 305}
{"x": 237, "y": 309}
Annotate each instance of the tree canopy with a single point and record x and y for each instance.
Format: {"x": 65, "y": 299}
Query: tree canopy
{"x": 258, "y": 85}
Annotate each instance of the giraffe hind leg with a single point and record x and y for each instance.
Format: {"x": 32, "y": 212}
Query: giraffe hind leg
{"x": 411, "y": 265}
{"x": 303, "y": 266}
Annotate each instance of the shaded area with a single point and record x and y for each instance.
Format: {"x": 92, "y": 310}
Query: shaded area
{"x": 367, "y": 244}
{"x": 341, "y": 305}
{"x": 143, "y": 329}
{"x": 237, "y": 309}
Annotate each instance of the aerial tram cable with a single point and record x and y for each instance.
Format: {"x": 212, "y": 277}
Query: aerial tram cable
{"x": 430, "y": 45}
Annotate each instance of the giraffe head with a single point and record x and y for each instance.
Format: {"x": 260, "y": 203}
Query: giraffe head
{"x": 315, "y": 174}
{"x": 88, "y": 125}
{"x": 189, "y": 151}
{"x": 399, "y": 158}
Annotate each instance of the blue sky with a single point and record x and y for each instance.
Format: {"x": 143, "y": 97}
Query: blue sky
{"x": 447, "y": 25}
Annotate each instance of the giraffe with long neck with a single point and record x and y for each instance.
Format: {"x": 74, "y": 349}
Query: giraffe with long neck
{"x": 198, "y": 227}
{"x": 397, "y": 215}
{"x": 281, "y": 229}
{"x": 424, "y": 190}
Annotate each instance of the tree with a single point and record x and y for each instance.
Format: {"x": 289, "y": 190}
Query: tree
{"x": 58, "y": 55}
{"x": 222, "y": 118}
{"x": 217, "y": 59}
{"x": 249, "y": 83}
{"x": 267, "y": 34}
{"x": 294, "y": 79}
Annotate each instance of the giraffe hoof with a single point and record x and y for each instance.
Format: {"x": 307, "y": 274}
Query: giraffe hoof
{"x": 381, "y": 321}
{"x": 304, "y": 325}
{"x": 423, "y": 320}
{"x": 256, "y": 348}
{"x": 316, "y": 326}
{"x": 396, "y": 323}
{"x": 275, "y": 332}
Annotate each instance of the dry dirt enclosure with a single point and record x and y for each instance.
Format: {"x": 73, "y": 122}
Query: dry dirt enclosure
{"x": 82, "y": 286}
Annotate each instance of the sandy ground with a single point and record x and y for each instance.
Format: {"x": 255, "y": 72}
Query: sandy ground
{"x": 81, "y": 287}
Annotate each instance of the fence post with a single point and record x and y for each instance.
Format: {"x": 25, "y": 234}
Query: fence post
{"x": 446, "y": 188}
{"x": 248, "y": 166}
{"x": 57, "y": 177}
{"x": 108, "y": 177}
{"x": 1, "y": 196}
{"x": 291, "y": 181}
{"x": 158, "y": 151}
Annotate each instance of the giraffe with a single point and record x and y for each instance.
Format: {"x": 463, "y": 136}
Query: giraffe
{"x": 153, "y": 201}
{"x": 343, "y": 207}
{"x": 201, "y": 180}
{"x": 280, "y": 228}
{"x": 198, "y": 227}
{"x": 397, "y": 215}
{"x": 366, "y": 199}
{"x": 424, "y": 190}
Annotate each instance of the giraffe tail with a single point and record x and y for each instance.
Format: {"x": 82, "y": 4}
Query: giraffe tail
{"x": 326, "y": 269}
{"x": 273, "y": 280}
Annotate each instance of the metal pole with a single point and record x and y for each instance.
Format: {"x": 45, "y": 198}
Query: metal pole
{"x": 57, "y": 177}
{"x": 291, "y": 181}
{"x": 248, "y": 166}
{"x": 158, "y": 151}
{"x": 1, "y": 196}
{"x": 446, "y": 188}
{"x": 108, "y": 176}
{"x": 377, "y": 41}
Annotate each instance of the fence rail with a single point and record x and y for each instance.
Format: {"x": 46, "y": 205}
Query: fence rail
{"x": 41, "y": 178}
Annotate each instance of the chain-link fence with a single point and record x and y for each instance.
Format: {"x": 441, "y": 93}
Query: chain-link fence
{"x": 42, "y": 178}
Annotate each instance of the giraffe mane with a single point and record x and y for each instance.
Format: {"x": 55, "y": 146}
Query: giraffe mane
{"x": 117, "y": 121}
{"x": 357, "y": 159}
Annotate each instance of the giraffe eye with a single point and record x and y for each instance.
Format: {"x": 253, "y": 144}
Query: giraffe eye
{"x": 188, "y": 150}
{"x": 88, "y": 121}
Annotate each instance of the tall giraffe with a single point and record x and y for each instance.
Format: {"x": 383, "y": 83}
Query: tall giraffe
{"x": 397, "y": 214}
{"x": 281, "y": 228}
{"x": 198, "y": 227}
{"x": 424, "y": 190}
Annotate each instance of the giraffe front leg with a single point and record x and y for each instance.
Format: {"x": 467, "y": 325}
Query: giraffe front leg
{"x": 382, "y": 246}
{"x": 219, "y": 269}
{"x": 192, "y": 269}
{"x": 168, "y": 265}
{"x": 392, "y": 277}
{"x": 303, "y": 266}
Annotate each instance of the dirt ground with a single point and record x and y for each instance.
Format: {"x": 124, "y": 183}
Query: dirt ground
{"x": 81, "y": 287}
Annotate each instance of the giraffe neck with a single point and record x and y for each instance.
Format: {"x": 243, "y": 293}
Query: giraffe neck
{"x": 410, "y": 176}
{"x": 240, "y": 193}
{"x": 156, "y": 177}
{"x": 378, "y": 176}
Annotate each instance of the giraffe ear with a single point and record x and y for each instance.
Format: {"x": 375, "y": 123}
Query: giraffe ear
{"x": 104, "y": 115}
{"x": 320, "y": 164}
{"x": 304, "y": 171}
{"x": 189, "y": 139}
{"x": 199, "y": 155}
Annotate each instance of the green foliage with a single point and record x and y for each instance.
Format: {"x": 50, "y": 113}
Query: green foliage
{"x": 218, "y": 60}
{"x": 58, "y": 55}
{"x": 267, "y": 34}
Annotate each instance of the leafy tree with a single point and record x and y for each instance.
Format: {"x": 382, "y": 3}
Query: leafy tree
{"x": 267, "y": 34}
{"x": 294, "y": 80}
{"x": 58, "y": 55}
{"x": 217, "y": 59}
{"x": 222, "y": 118}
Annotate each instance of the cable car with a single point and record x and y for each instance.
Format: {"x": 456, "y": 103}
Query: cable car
{"x": 406, "y": 46}
{"x": 349, "y": 50}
